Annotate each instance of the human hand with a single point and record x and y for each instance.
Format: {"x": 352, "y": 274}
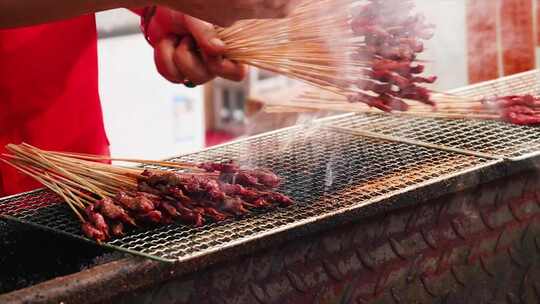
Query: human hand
{"x": 187, "y": 49}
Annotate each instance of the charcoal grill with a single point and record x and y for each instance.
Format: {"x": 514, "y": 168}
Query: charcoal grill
{"x": 334, "y": 177}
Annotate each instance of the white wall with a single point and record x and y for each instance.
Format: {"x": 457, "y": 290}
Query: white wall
{"x": 145, "y": 116}
{"x": 447, "y": 51}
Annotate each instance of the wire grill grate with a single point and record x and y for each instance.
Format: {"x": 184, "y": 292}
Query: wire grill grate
{"x": 325, "y": 172}
{"x": 523, "y": 83}
{"x": 491, "y": 137}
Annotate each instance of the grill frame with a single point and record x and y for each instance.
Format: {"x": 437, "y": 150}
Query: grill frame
{"x": 469, "y": 176}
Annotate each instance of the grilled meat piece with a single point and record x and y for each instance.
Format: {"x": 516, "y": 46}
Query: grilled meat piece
{"x": 153, "y": 216}
{"x": 246, "y": 179}
{"x": 139, "y": 203}
{"x": 178, "y": 194}
{"x": 195, "y": 185}
{"x": 512, "y": 100}
{"x": 188, "y": 215}
{"x": 192, "y": 217}
{"x": 234, "y": 205}
{"x": 261, "y": 203}
{"x": 192, "y": 185}
{"x": 117, "y": 229}
{"x": 267, "y": 178}
{"x": 259, "y": 179}
{"x": 166, "y": 219}
{"x": 97, "y": 220}
{"x": 393, "y": 37}
{"x": 213, "y": 189}
{"x": 114, "y": 212}
{"x": 155, "y": 177}
{"x": 279, "y": 198}
{"x": 92, "y": 232}
{"x": 190, "y": 198}
{"x": 143, "y": 186}
{"x": 229, "y": 167}
{"x": 215, "y": 215}
{"x": 169, "y": 209}
{"x": 235, "y": 189}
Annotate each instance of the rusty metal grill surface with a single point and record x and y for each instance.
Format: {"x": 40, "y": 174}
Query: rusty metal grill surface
{"x": 326, "y": 172}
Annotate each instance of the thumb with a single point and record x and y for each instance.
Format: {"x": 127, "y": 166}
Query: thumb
{"x": 205, "y": 35}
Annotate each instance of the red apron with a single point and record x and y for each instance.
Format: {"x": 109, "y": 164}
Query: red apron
{"x": 49, "y": 92}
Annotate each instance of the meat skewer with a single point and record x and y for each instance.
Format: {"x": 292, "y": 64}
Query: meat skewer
{"x": 130, "y": 198}
{"x": 114, "y": 212}
{"x": 514, "y": 109}
{"x": 374, "y": 43}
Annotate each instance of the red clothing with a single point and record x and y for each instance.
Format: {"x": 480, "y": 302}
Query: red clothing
{"x": 49, "y": 92}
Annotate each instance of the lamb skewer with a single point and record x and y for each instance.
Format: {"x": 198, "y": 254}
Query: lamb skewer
{"x": 363, "y": 50}
{"x": 109, "y": 201}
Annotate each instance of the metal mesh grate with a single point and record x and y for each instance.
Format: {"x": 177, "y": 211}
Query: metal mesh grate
{"x": 523, "y": 83}
{"x": 326, "y": 173}
{"x": 493, "y": 137}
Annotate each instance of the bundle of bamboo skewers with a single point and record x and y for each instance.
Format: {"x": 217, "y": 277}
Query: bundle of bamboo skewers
{"x": 109, "y": 199}
{"x": 515, "y": 109}
{"x": 363, "y": 50}
{"x": 361, "y": 56}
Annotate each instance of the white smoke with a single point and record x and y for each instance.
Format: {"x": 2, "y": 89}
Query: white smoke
{"x": 447, "y": 50}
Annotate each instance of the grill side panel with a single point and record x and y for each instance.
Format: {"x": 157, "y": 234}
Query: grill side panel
{"x": 475, "y": 246}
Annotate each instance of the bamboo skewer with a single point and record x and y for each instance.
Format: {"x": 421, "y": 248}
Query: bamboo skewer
{"x": 316, "y": 44}
{"x": 79, "y": 173}
{"x": 374, "y": 135}
{"x": 51, "y": 185}
{"x": 83, "y": 156}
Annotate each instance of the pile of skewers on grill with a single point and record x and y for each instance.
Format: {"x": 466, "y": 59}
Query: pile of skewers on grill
{"x": 109, "y": 200}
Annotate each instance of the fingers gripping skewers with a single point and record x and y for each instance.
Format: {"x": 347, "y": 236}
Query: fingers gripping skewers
{"x": 363, "y": 50}
{"x": 108, "y": 200}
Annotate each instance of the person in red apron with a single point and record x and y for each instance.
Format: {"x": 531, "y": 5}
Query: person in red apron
{"x": 48, "y": 66}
